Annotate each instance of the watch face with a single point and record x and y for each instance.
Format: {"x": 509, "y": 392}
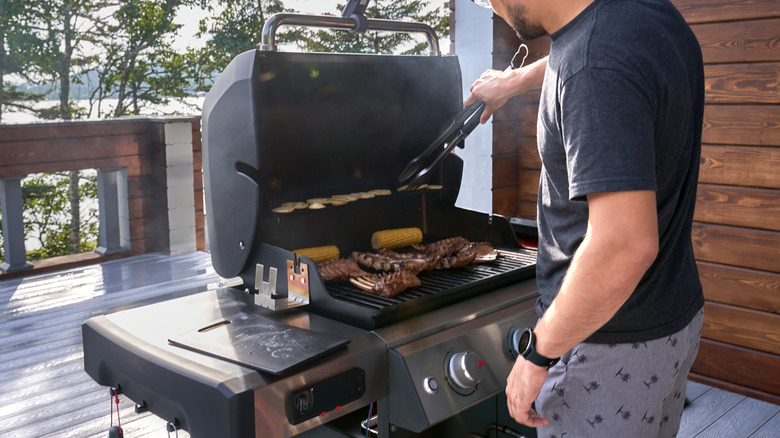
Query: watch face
{"x": 524, "y": 343}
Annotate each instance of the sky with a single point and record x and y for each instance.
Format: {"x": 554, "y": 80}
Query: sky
{"x": 190, "y": 17}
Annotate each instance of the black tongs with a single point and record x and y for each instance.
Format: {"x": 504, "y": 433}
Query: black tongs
{"x": 416, "y": 172}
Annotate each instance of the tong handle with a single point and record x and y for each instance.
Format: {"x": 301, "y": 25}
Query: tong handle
{"x": 465, "y": 121}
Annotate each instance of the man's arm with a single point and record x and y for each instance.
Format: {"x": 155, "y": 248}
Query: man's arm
{"x": 620, "y": 244}
{"x": 495, "y": 87}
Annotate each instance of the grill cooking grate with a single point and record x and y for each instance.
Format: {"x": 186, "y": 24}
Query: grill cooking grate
{"x": 435, "y": 282}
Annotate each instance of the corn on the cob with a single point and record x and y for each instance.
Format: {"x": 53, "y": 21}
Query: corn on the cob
{"x": 319, "y": 254}
{"x": 396, "y": 238}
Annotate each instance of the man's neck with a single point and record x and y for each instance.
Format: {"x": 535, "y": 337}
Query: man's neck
{"x": 554, "y": 14}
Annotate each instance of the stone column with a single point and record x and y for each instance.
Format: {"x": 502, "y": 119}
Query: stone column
{"x": 180, "y": 187}
{"x": 13, "y": 225}
{"x": 114, "y": 217}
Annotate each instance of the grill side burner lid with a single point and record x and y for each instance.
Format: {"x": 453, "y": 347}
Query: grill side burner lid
{"x": 280, "y": 127}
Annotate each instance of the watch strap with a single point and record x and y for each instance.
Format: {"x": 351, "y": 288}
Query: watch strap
{"x": 539, "y": 360}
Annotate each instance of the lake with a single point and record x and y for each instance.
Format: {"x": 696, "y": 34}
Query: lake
{"x": 190, "y": 106}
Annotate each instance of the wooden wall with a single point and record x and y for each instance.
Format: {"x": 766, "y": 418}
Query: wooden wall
{"x": 136, "y": 144}
{"x": 737, "y": 222}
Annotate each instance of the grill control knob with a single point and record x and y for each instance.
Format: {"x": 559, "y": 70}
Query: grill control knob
{"x": 465, "y": 369}
{"x": 514, "y": 340}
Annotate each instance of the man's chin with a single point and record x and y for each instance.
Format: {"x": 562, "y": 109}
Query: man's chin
{"x": 526, "y": 36}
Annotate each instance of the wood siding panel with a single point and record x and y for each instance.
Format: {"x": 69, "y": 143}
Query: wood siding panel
{"x": 744, "y": 327}
{"x": 748, "y": 372}
{"x": 741, "y": 287}
{"x": 65, "y": 130}
{"x": 526, "y": 210}
{"x": 747, "y": 248}
{"x": 504, "y": 172}
{"x": 702, "y": 11}
{"x": 742, "y": 125}
{"x": 528, "y": 185}
{"x": 742, "y": 83}
{"x": 737, "y": 206}
{"x": 505, "y": 201}
{"x": 740, "y": 166}
{"x": 529, "y": 153}
{"x": 742, "y": 41}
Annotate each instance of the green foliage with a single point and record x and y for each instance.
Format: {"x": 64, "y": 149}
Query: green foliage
{"x": 47, "y": 213}
{"x": 235, "y": 27}
{"x": 141, "y": 67}
{"x": 377, "y": 42}
{"x": 20, "y": 48}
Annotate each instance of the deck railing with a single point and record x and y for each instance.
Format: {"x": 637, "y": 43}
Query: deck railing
{"x": 149, "y": 176}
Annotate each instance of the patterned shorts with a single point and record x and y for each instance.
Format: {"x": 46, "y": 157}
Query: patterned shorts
{"x": 620, "y": 390}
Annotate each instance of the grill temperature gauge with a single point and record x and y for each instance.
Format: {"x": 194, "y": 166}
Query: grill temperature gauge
{"x": 465, "y": 370}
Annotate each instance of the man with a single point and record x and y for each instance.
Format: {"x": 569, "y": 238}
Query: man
{"x": 619, "y": 135}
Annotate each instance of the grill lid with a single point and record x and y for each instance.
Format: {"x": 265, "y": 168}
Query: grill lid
{"x": 282, "y": 127}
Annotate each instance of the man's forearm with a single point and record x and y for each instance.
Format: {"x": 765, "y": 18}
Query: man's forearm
{"x": 606, "y": 269}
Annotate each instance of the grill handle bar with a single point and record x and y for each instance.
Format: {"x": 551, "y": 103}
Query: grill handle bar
{"x": 344, "y": 23}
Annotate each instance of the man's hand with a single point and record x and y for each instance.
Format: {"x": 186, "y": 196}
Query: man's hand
{"x": 522, "y": 387}
{"x": 491, "y": 88}
{"x": 495, "y": 87}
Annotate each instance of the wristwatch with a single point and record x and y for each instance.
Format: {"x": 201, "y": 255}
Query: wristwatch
{"x": 526, "y": 347}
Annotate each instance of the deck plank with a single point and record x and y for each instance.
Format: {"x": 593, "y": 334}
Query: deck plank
{"x": 705, "y": 410}
{"x": 742, "y": 420}
{"x": 44, "y": 388}
{"x": 769, "y": 429}
{"x": 695, "y": 390}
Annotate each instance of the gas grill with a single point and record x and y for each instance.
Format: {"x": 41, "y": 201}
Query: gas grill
{"x": 276, "y": 351}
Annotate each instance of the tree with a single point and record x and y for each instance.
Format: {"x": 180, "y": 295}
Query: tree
{"x": 46, "y": 215}
{"x": 378, "y": 42}
{"x": 19, "y": 49}
{"x": 235, "y": 28}
{"x": 139, "y": 66}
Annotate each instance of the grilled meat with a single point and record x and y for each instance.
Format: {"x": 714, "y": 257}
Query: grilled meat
{"x": 464, "y": 256}
{"x": 388, "y": 284}
{"x": 420, "y": 259}
{"x": 444, "y": 247}
{"x": 340, "y": 270}
{"x": 386, "y": 262}
{"x": 458, "y": 251}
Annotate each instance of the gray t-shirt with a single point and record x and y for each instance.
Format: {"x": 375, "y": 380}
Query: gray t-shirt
{"x": 621, "y": 109}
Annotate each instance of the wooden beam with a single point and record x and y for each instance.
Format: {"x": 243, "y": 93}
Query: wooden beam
{"x": 740, "y": 287}
{"x": 742, "y": 366}
{"x": 742, "y": 83}
{"x": 740, "y": 41}
{"x": 702, "y": 11}
{"x": 738, "y": 206}
{"x": 744, "y": 327}
{"x": 753, "y": 249}
{"x": 749, "y": 125}
{"x": 740, "y": 166}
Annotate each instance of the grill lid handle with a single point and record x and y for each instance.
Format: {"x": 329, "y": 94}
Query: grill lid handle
{"x": 351, "y": 24}
{"x": 356, "y": 9}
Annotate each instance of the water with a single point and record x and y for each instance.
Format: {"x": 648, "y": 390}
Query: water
{"x": 190, "y": 106}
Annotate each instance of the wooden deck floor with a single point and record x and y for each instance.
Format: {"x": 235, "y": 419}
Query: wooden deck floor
{"x": 46, "y": 393}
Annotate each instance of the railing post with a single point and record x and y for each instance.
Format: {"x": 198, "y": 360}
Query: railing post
{"x": 113, "y": 210}
{"x": 179, "y": 182}
{"x": 13, "y": 225}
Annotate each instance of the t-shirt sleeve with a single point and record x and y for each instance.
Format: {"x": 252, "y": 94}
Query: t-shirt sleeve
{"x": 608, "y": 132}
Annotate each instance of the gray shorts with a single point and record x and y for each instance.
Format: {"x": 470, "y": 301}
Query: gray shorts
{"x": 620, "y": 390}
